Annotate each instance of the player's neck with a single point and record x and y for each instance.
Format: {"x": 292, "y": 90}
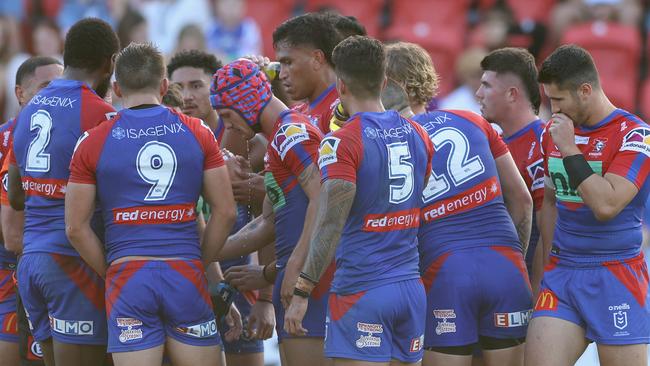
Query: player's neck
{"x": 72, "y": 73}
{"x": 353, "y": 105}
{"x": 270, "y": 115}
{"x": 600, "y": 108}
{"x": 136, "y": 99}
{"x": 515, "y": 121}
{"x": 212, "y": 119}
{"x": 326, "y": 79}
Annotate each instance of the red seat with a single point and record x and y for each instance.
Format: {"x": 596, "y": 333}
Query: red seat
{"x": 538, "y": 10}
{"x": 368, "y": 12}
{"x": 616, "y": 50}
{"x": 437, "y": 25}
{"x": 644, "y": 102}
{"x": 269, "y": 14}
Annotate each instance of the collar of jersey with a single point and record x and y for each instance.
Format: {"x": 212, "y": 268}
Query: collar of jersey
{"x": 604, "y": 121}
{"x": 522, "y": 131}
{"x": 321, "y": 96}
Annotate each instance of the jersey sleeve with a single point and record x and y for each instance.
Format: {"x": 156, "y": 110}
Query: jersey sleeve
{"x": 213, "y": 158}
{"x": 4, "y": 170}
{"x": 94, "y": 110}
{"x": 84, "y": 160}
{"x": 299, "y": 149}
{"x": 632, "y": 160}
{"x": 340, "y": 153}
{"x": 497, "y": 146}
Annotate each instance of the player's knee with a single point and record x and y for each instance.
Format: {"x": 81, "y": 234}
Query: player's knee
{"x": 490, "y": 343}
{"x": 465, "y": 350}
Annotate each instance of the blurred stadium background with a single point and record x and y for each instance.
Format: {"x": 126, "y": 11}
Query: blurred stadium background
{"x": 457, "y": 34}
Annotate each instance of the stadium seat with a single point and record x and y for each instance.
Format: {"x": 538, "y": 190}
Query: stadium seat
{"x": 268, "y": 15}
{"x": 437, "y": 25}
{"x": 368, "y": 12}
{"x": 644, "y": 100}
{"x": 538, "y": 10}
{"x": 616, "y": 50}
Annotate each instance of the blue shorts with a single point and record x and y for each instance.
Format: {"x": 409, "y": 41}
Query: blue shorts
{"x": 314, "y": 320}
{"x": 149, "y": 300}
{"x": 244, "y": 302}
{"x": 476, "y": 291}
{"x": 8, "y": 320}
{"x": 377, "y": 325}
{"x": 608, "y": 299}
{"x": 63, "y": 298}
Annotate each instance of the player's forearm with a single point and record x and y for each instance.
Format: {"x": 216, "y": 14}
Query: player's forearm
{"x": 215, "y": 235}
{"x": 85, "y": 241}
{"x": 15, "y": 191}
{"x": 336, "y": 199}
{"x": 310, "y": 180}
{"x": 256, "y": 235}
{"x": 266, "y": 257}
{"x": 521, "y": 212}
{"x": 603, "y": 197}
{"x": 548, "y": 216}
{"x": 538, "y": 267}
{"x": 12, "y": 228}
{"x": 214, "y": 273}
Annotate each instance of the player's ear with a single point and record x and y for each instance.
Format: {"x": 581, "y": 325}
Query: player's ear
{"x": 585, "y": 90}
{"x": 318, "y": 59}
{"x": 164, "y": 86}
{"x": 341, "y": 88}
{"x": 18, "y": 90}
{"x": 116, "y": 89}
{"x": 512, "y": 94}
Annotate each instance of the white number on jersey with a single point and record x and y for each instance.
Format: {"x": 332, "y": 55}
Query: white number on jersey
{"x": 156, "y": 164}
{"x": 459, "y": 167}
{"x": 37, "y": 159}
{"x": 400, "y": 168}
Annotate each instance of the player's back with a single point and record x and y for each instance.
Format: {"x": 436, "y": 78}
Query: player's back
{"x": 149, "y": 165}
{"x": 387, "y": 157}
{"x": 46, "y": 132}
{"x": 463, "y": 202}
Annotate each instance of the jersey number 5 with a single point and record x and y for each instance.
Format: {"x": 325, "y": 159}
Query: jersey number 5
{"x": 37, "y": 159}
{"x": 400, "y": 168}
{"x": 156, "y": 164}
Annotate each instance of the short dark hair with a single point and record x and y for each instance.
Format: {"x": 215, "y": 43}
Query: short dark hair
{"x": 311, "y": 29}
{"x": 194, "y": 58}
{"x": 173, "y": 97}
{"x": 139, "y": 66}
{"x": 361, "y": 63}
{"x": 519, "y": 62}
{"x": 30, "y": 65}
{"x": 569, "y": 66}
{"x": 346, "y": 25}
{"x": 90, "y": 44}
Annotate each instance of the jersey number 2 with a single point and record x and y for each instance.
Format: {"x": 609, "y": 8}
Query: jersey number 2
{"x": 37, "y": 159}
{"x": 156, "y": 164}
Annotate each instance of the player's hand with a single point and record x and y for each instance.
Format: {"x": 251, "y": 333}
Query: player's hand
{"x": 246, "y": 278}
{"x": 261, "y": 321}
{"x": 260, "y": 60}
{"x": 561, "y": 130}
{"x": 233, "y": 320}
{"x": 249, "y": 191}
{"x": 294, "y": 315}
{"x": 291, "y": 273}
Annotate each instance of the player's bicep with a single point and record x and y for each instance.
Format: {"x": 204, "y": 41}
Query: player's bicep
{"x": 15, "y": 188}
{"x": 624, "y": 189}
{"x": 512, "y": 183}
{"x": 79, "y": 204}
{"x": 309, "y": 180}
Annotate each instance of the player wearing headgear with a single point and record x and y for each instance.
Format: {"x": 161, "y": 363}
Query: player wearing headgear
{"x": 32, "y": 75}
{"x": 62, "y": 296}
{"x": 509, "y": 96}
{"x": 241, "y": 93}
{"x": 595, "y": 283}
{"x": 373, "y": 172}
{"x": 147, "y": 199}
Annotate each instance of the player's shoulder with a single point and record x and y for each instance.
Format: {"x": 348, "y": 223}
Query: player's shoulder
{"x": 292, "y": 128}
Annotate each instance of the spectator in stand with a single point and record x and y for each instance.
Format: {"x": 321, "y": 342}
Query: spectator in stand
{"x": 47, "y": 40}
{"x": 232, "y": 34}
{"x": 132, "y": 27}
{"x": 190, "y": 38}
{"x": 468, "y": 72}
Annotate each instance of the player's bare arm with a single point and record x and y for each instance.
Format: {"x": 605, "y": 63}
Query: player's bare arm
{"x": 516, "y": 197}
{"x": 254, "y": 236}
{"x": 309, "y": 180}
{"x": 606, "y": 196}
{"x": 548, "y": 216}
{"x": 336, "y": 198}
{"x": 218, "y": 194}
{"x": 12, "y": 228}
{"x": 79, "y": 209}
{"x": 15, "y": 189}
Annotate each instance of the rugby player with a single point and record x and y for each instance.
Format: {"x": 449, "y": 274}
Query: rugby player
{"x": 509, "y": 96}
{"x": 377, "y": 302}
{"x": 147, "y": 199}
{"x": 595, "y": 283}
{"x": 63, "y": 297}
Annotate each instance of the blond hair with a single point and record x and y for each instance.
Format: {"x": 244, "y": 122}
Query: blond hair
{"x": 410, "y": 66}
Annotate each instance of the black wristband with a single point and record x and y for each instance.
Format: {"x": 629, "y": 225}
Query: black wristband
{"x": 577, "y": 169}
{"x": 265, "y": 300}
{"x": 304, "y": 275}
{"x": 264, "y": 275}
{"x": 300, "y": 293}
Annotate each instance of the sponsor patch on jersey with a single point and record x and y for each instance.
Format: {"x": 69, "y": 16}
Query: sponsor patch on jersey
{"x": 203, "y": 330}
{"x": 637, "y": 140}
{"x": 560, "y": 179}
{"x": 512, "y": 320}
{"x": 72, "y": 327}
{"x": 288, "y": 136}
{"x": 327, "y": 151}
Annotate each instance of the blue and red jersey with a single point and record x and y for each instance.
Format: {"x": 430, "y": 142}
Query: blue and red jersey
{"x": 292, "y": 148}
{"x": 619, "y": 144}
{"x": 388, "y": 158}
{"x": 463, "y": 202}
{"x": 148, "y": 195}
{"x": 320, "y": 111}
{"x": 45, "y": 134}
{"x": 6, "y": 131}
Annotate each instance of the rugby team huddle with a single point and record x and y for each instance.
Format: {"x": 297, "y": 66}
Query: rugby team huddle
{"x": 361, "y": 227}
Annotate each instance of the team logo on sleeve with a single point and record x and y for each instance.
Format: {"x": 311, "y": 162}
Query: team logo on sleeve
{"x": 637, "y": 140}
{"x": 536, "y": 174}
{"x": 288, "y": 136}
{"x": 327, "y": 151}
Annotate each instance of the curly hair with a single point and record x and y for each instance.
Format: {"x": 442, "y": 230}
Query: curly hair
{"x": 90, "y": 44}
{"x": 410, "y": 65}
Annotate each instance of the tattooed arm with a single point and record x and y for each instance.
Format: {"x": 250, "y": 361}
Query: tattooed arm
{"x": 516, "y": 197}
{"x": 255, "y": 235}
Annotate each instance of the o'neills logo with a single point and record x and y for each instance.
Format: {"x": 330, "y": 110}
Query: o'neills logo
{"x": 546, "y": 301}
{"x": 393, "y": 221}
{"x": 471, "y": 198}
{"x": 170, "y": 214}
{"x": 48, "y": 188}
